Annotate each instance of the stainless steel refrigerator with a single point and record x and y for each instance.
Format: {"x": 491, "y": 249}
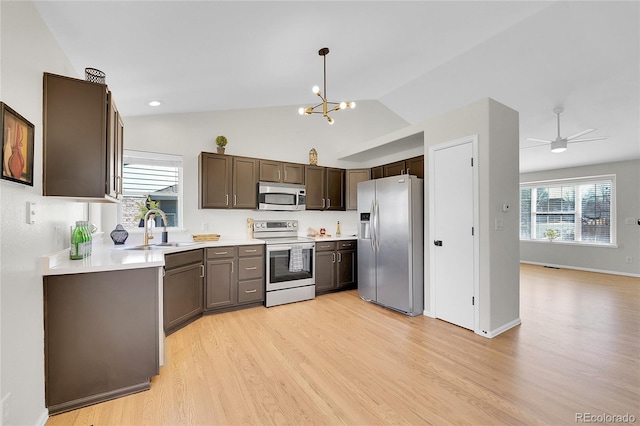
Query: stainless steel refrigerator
{"x": 390, "y": 243}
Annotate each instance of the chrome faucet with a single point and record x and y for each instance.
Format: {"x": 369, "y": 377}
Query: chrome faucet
{"x": 148, "y": 237}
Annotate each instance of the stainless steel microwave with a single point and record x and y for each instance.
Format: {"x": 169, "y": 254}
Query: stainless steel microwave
{"x": 281, "y": 196}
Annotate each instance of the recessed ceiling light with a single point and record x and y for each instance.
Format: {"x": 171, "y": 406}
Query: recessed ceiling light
{"x": 154, "y": 103}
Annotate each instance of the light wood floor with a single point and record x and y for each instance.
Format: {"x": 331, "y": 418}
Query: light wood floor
{"x": 339, "y": 360}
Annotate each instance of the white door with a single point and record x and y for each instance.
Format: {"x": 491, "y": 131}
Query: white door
{"x": 452, "y": 198}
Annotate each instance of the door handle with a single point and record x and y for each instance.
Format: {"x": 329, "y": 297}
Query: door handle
{"x": 438, "y": 243}
{"x": 334, "y": 257}
{"x": 201, "y": 271}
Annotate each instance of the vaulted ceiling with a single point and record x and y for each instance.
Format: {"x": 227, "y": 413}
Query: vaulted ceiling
{"x": 418, "y": 58}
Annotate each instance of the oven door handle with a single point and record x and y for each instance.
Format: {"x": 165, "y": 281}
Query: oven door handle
{"x": 305, "y": 246}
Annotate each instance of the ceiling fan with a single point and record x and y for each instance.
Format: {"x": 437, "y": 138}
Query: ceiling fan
{"x": 560, "y": 143}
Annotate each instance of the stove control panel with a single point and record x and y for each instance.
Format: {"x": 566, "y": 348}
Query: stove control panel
{"x": 275, "y": 225}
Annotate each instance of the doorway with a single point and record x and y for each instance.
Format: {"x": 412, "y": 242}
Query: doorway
{"x": 453, "y": 211}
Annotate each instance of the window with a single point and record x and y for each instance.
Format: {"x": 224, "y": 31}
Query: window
{"x": 578, "y": 210}
{"x": 150, "y": 176}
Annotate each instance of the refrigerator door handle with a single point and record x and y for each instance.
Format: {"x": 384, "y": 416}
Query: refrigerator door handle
{"x": 377, "y": 226}
{"x": 372, "y": 222}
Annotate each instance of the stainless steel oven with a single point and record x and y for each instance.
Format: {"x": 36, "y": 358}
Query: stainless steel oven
{"x": 290, "y": 263}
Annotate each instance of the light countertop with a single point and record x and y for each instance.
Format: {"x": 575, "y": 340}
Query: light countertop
{"x": 108, "y": 257}
{"x": 334, "y": 238}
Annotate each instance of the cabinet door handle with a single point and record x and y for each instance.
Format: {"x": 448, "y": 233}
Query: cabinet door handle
{"x": 278, "y": 174}
{"x": 325, "y": 246}
{"x": 285, "y": 174}
{"x": 235, "y": 200}
{"x": 232, "y": 267}
{"x": 323, "y": 203}
{"x": 201, "y": 271}
{"x": 251, "y": 251}
{"x": 408, "y": 169}
{"x": 328, "y": 202}
{"x": 334, "y": 257}
{"x": 253, "y": 268}
{"x": 226, "y": 199}
{"x": 220, "y": 252}
{"x": 339, "y": 257}
{"x": 251, "y": 291}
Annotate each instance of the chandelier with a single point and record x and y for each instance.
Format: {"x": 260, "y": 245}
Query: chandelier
{"x": 327, "y": 106}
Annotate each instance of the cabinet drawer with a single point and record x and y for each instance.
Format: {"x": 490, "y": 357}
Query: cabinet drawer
{"x": 221, "y": 252}
{"x": 250, "y": 268}
{"x": 174, "y": 260}
{"x": 326, "y": 246}
{"x": 251, "y": 291}
{"x": 257, "y": 250}
{"x": 345, "y": 245}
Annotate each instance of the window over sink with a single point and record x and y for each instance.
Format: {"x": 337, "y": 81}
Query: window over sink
{"x": 151, "y": 176}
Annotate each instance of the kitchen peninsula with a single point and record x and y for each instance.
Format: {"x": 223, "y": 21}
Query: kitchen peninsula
{"x": 103, "y": 316}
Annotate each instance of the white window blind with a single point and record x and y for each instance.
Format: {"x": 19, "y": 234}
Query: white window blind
{"x": 580, "y": 210}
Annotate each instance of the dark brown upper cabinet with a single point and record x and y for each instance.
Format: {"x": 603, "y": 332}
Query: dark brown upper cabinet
{"x": 325, "y": 188}
{"x": 227, "y": 181}
{"x": 412, "y": 166}
{"x": 82, "y": 140}
{"x": 277, "y": 171}
{"x": 353, "y": 177}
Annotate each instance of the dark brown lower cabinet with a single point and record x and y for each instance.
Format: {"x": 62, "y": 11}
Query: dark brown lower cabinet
{"x": 101, "y": 336}
{"x": 183, "y": 288}
{"x": 235, "y": 277}
{"x": 336, "y": 267}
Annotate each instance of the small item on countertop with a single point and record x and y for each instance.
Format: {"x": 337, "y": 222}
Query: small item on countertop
{"x": 311, "y": 232}
{"x": 119, "y": 235}
{"x": 338, "y": 230}
{"x": 206, "y": 237}
{"x": 250, "y": 227}
{"x": 323, "y": 232}
{"x": 76, "y": 251}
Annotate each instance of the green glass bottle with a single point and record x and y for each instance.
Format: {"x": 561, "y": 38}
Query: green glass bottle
{"x": 75, "y": 252}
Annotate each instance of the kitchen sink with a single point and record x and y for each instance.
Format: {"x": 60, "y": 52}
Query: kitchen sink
{"x": 159, "y": 246}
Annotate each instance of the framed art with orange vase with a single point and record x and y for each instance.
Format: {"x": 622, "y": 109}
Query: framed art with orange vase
{"x": 17, "y": 146}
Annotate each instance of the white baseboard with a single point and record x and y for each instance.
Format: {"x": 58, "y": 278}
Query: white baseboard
{"x": 577, "y": 268}
{"x": 493, "y": 333}
{"x": 428, "y": 314}
{"x": 44, "y": 416}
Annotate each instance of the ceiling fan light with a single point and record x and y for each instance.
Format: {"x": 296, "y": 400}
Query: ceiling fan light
{"x": 559, "y": 146}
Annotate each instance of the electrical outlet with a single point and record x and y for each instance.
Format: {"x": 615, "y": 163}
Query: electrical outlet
{"x": 5, "y": 408}
{"x": 629, "y": 259}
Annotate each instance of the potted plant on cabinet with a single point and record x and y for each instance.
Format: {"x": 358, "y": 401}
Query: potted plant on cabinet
{"x": 221, "y": 141}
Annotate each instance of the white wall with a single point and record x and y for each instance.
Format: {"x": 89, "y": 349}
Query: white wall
{"x": 594, "y": 258}
{"x": 497, "y": 128}
{"x": 27, "y": 50}
{"x": 277, "y": 133}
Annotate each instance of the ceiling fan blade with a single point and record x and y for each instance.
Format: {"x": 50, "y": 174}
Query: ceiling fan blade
{"x": 577, "y": 135}
{"x": 588, "y": 139}
{"x": 535, "y": 146}
{"x": 538, "y": 140}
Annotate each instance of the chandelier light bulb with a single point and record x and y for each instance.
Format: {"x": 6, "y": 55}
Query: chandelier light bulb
{"x": 352, "y": 105}
{"x": 330, "y": 120}
{"x": 301, "y": 111}
{"x": 343, "y": 105}
{"x": 315, "y": 90}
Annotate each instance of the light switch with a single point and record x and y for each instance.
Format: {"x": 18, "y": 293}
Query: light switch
{"x": 31, "y": 213}
{"x": 499, "y": 224}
